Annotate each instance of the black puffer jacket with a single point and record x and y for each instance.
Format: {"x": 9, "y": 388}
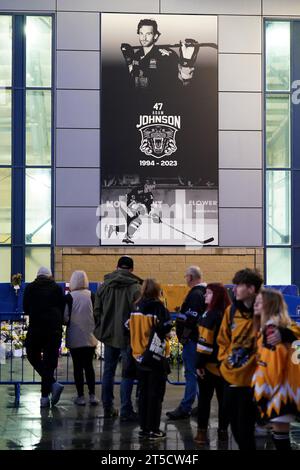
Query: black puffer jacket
{"x": 44, "y": 302}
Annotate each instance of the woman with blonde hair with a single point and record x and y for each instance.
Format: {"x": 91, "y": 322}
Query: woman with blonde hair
{"x": 80, "y": 339}
{"x": 276, "y": 380}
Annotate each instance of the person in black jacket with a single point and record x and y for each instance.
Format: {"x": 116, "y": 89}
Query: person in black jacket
{"x": 149, "y": 316}
{"x": 187, "y": 332}
{"x": 209, "y": 377}
{"x": 43, "y": 302}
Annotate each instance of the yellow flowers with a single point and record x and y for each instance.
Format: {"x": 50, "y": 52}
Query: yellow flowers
{"x": 175, "y": 348}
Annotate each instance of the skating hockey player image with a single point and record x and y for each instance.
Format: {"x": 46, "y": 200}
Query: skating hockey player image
{"x": 138, "y": 203}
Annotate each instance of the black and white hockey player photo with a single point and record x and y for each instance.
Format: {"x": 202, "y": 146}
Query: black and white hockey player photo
{"x": 138, "y": 203}
{"x": 159, "y": 123}
{"x": 154, "y": 65}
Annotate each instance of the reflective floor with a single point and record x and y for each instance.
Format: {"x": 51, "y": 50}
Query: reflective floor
{"x": 68, "y": 426}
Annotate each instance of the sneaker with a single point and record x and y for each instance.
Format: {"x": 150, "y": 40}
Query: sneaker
{"x": 45, "y": 402}
{"x": 178, "y": 414}
{"x": 128, "y": 241}
{"x": 56, "y": 390}
{"x": 261, "y": 431}
{"x": 93, "y": 400}
{"x": 111, "y": 413}
{"x": 143, "y": 434}
{"x": 201, "y": 437}
{"x": 133, "y": 416}
{"x": 80, "y": 401}
{"x": 156, "y": 435}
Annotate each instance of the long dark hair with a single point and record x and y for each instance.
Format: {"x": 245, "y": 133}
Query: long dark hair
{"x": 150, "y": 290}
{"x": 220, "y": 299}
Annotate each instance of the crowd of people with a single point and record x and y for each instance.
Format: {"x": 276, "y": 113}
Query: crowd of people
{"x": 241, "y": 346}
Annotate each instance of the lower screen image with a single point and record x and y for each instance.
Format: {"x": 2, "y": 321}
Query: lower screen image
{"x": 144, "y": 214}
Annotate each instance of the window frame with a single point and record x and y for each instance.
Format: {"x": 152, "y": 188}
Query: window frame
{"x": 294, "y": 167}
{"x": 18, "y": 165}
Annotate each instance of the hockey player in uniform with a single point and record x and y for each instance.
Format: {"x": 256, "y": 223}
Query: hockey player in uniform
{"x": 139, "y": 202}
{"x": 152, "y": 66}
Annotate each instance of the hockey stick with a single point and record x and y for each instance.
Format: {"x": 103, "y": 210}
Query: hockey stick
{"x": 201, "y": 44}
{"x": 203, "y": 242}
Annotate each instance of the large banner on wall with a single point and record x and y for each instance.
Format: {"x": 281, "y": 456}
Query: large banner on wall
{"x": 159, "y": 128}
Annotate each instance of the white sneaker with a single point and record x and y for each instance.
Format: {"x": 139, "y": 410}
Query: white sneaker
{"x": 56, "y": 390}
{"x": 80, "y": 401}
{"x": 93, "y": 400}
{"x": 45, "y": 402}
{"x": 128, "y": 240}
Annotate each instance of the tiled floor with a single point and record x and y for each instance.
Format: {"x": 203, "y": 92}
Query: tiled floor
{"x": 68, "y": 426}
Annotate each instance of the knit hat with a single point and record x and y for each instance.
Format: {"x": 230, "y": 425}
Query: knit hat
{"x": 44, "y": 272}
{"x": 125, "y": 262}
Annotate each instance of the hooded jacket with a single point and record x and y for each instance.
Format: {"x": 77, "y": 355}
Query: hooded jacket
{"x": 113, "y": 304}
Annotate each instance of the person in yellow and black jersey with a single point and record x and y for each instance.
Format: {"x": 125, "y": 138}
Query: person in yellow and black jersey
{"x": 209, "y": 378}
{"x": 276, "y": 380}
{"x": 150, "y": 315}
{"x": 237, "y": 343}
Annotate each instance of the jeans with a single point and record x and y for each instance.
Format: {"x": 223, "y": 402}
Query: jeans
{"x": 83, "y": 362}
{"x": 189, "y": 357}
{"x": 42, "y": 353}
{"x": 111, "y": 358}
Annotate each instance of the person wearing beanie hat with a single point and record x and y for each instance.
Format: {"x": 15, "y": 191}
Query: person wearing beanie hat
{"x": 125, "y": 262}
{"x": 44, "y": 272}
{"x": 44, "y": 303}
{"x": 113, "y": 305}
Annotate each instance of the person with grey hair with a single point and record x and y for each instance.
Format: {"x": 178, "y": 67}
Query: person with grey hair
{"x": 187, "y": 320}
{"x": 43, "y": 302}
{"x": 79, "y": 318}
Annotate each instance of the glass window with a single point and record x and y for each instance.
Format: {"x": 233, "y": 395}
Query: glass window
{"x": 5, "y": 50}
{"x": 5, "y": 264}
{"x": 5, "y": 127}
{"x": 278, "y": 204}
{"x": 278, "y": 266}
{"x": 38, "y": 127}
{"x": 5, "y": 206}
{"x": 278, "y": 131}
{"x": 38, "y": 206}
{"x": 35, "y": 257}
{"x": 38, "y": 51}
{"x": 278, "y": 56}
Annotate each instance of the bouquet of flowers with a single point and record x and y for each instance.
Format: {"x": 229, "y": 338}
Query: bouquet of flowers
{"x": 175, "y": 348}
{"x": 16, "y": 282}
